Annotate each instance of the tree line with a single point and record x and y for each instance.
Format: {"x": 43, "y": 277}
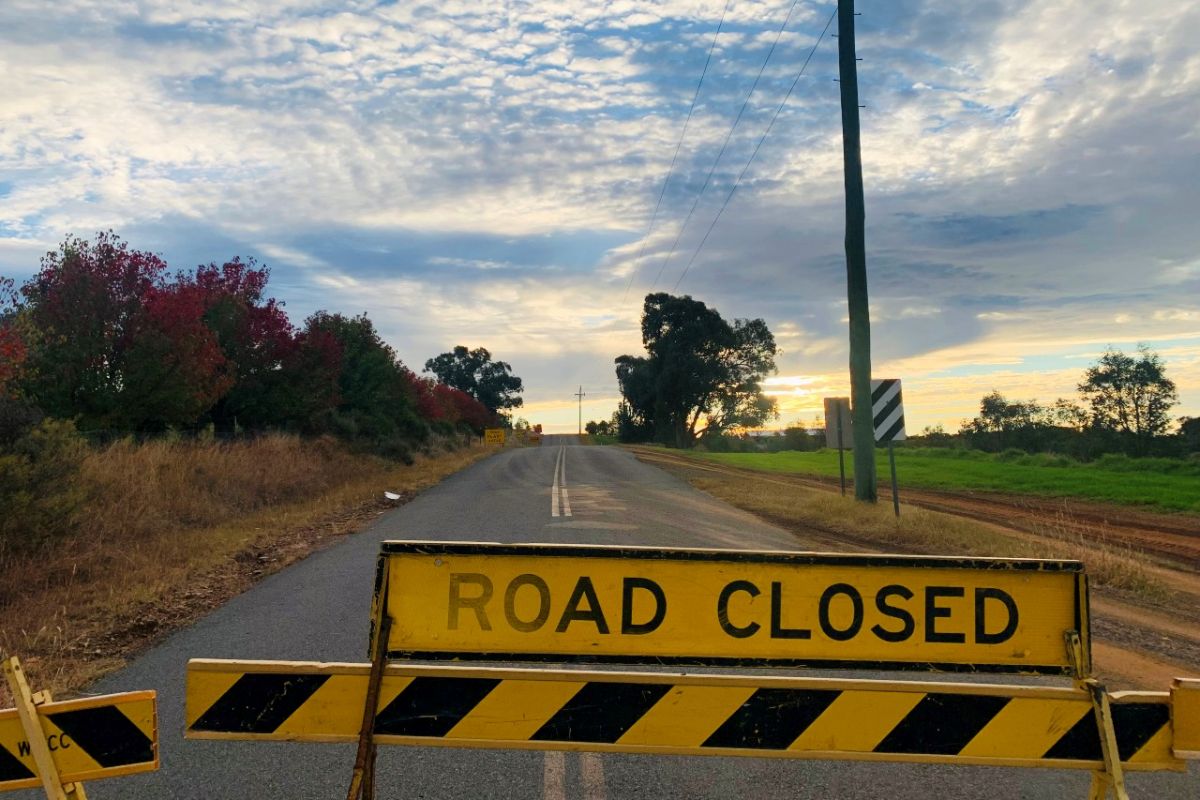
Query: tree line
{"x": 701, "y": 379}
{"x": 110, "y": 338}
{"x": 1124, "y": 406}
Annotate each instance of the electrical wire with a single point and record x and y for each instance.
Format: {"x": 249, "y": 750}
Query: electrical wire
{"x": 671, "y": 169}
{"x": 761, "y": 139}
{"x": 725, "y": 144}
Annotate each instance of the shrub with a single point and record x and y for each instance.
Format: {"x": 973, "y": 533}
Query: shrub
{"x": 39, "y": 490}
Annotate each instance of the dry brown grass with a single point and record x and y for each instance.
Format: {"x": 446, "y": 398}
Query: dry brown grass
{"x": 930, "y": 532}
{"x": 171, "y": 529}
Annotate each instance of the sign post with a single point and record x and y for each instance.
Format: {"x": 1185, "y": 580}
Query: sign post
{"x": 837, "y": 431}
{"x": 887, "y": 413}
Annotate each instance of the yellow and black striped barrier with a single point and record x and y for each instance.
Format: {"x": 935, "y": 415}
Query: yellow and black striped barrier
{"x": 928, "y": 722}
{"x": 54, "y": 745}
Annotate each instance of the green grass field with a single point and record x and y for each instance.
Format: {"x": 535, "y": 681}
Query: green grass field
{"x": 1157, "y": 483}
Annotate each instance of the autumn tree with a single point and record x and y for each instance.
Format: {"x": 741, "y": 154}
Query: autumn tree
{"x": 86, "y": 303}
{"x": 12, "y": 344}
{"x": 256, "y": 338}
{"x": 474, "y": 372}
{"x": 173, "y": 370}
{"x": 701, "y": 375}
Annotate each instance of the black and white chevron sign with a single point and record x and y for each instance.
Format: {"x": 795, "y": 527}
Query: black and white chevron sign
{"x": 887, "y": 410}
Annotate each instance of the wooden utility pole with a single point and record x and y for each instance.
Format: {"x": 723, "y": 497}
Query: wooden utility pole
{"x": 581, "y": 394}
{"x": 856, "y": 263}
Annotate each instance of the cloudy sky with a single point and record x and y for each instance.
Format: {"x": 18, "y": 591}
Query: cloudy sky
{"x": 486, "y": 174}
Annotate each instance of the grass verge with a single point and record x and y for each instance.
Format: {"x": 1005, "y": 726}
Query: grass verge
{"x": 1157, "y": 483}
{"x": 172, "y": 530}
{"x": 929, "y": 532}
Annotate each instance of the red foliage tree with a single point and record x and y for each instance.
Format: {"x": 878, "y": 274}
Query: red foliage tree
{"x": 174, "y": 369}
{"x": 426, "y": 401}
{"x": 84, "y": 304}
{"x": 311, "y": 376}
{"x": 255, "y": 336}
{"x": 471, "y": 413}
{"x": 12, "y": 345}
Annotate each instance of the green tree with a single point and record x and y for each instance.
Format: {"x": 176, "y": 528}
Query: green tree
{"x": 1130, "y": 395}
{"x": 374, "y": 398}
{"x": 1189, "y": 433}
{"x": 474, "y": 372}
{"x": 701, "y": 377}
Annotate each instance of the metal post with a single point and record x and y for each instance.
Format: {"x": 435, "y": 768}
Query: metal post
{"x": 895, "y": 490}
{"x": 841, "y": 452}
{"x": 856, "y": 262}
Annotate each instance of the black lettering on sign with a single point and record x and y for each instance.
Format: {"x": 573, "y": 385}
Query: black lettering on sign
{"x": 777, "y": 629}
{"x": 934, "y": 612}
{"x": 510, "y": 603}
{"x": 823, "y": 612}
{"x": 723, "y": 609}
{"x": 907, "y": 623}
{"x": 23, "y": 748}
{"x": 58, "y": 742}
{"x": 982, "y": 595}
{"x": 476, "y": 603}
{"x": 573, "y": 613}
{"x": 628, "y": 586}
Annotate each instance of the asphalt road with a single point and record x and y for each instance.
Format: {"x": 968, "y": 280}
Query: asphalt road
{"x": 319, "y": 610}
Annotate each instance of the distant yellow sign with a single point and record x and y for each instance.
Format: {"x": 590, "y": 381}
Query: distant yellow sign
{"x": 644, "y": 605}
{"x": 494, "y": 436}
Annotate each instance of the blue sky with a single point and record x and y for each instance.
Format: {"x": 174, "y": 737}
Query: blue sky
{"x": 485, "y": 174}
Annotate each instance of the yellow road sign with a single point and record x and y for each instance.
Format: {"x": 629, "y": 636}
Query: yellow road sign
{"x": 644, "y": 605}
{"x": 682, "y": 714}
{"x": 99, "y": 737}
{"x": 493, "y": 436}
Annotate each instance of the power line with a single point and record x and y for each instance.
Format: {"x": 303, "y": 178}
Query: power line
{"x": 761, "y": 139}
{"x": 725, "y": 144}
{"x": 671, "y": 169}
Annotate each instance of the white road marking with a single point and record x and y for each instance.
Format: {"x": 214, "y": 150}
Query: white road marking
{"x": 554, "y": 486}
{"x": 554, "y": 777}
{"x": 560, "y": 500}
{"x": 592, "y": 770}
{"x": 566, "y": 498}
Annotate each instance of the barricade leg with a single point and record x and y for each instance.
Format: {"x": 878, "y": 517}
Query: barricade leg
{"x": 362, "y": 781}
{"x": 27, "y": 703}
{"x": 1113, "y": 776}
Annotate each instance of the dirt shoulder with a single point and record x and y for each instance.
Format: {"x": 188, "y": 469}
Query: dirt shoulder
{"x": 1145, "y": 602}
{"x": 90, "y": 607}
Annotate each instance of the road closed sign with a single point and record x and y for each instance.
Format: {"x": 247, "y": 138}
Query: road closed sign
{"x": 721, "y": 607}
{"x": 493, "y": 436}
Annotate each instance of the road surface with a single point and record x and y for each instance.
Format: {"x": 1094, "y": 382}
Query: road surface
{"x": 318, "y": 610}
